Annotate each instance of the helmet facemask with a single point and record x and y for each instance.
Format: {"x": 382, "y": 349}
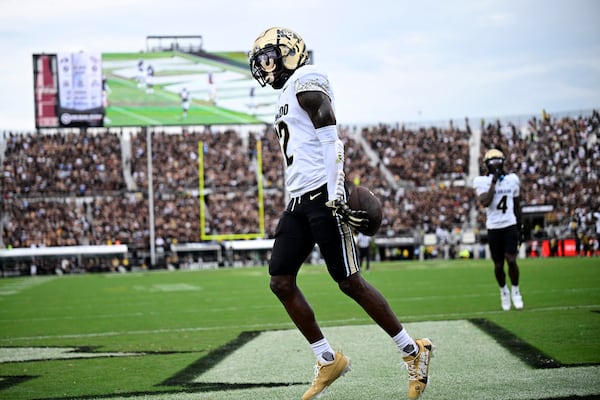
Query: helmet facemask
{"x": 267, "y": 67}
{"x": 495, "y": 166}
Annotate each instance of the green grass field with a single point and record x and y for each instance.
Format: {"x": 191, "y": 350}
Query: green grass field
{"x": 221, "y": 334}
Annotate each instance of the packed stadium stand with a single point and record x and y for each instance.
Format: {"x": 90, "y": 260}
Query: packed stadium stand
{"x": 90, "y": 187}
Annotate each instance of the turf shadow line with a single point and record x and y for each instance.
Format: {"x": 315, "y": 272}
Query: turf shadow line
{"x": 523, "y": 350}
{"x": 87, "y": 349}
{"x": 8, "y": 381}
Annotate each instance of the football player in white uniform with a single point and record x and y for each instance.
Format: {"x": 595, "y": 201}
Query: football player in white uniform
{"x": 184, "y": 95}
{"x": 317, "y": 212}
{"x": 500, "y": 194}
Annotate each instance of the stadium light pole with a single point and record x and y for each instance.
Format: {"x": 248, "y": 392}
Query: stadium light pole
{"x": 150, "y": 196}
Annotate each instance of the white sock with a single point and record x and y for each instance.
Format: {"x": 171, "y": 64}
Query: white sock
{"x": 504, "y": 290}
{"x": 515, "y": 289}
{"x": 406, "y": 344}
{"x": 323, "y": 351}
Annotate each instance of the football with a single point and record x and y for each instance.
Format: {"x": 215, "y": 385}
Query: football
{"x": 363, "y": 199}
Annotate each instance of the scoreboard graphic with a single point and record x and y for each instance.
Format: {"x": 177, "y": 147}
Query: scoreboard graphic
{"x": 68, "y": 90}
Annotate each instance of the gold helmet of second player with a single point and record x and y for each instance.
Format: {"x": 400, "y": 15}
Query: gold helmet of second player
{"x": 494, "y": 160}
{"x": 275, "y": 55}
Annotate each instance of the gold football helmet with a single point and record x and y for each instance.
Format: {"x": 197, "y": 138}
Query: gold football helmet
{"x": 494, "y": 160}
{"x": 275, "y": 55}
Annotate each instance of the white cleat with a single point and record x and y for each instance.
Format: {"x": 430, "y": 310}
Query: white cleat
{"x": 517, "y": 300}
{"x": 505, "y": 299}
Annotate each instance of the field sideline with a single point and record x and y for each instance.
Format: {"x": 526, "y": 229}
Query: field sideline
{"x": 221, "y": 334}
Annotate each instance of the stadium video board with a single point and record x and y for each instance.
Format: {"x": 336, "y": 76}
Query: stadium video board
{"x": 154, "y": 88}
{"x": 68, "y": 89}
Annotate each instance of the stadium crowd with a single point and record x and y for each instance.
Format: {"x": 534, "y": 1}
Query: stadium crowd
{"x": 422, "y": 156}
{"x": 82, "y": 188}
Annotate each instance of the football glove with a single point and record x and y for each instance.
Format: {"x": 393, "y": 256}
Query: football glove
{"x": 498, "y": 175}
{"x": 357, "y": 219}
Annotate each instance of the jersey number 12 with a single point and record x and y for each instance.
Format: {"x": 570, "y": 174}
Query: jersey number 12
{"x": 283, "y": 134}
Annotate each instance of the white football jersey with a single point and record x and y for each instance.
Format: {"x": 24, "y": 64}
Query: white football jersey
{"x": 500, "y": 212}
{"x": 301, "y": 148}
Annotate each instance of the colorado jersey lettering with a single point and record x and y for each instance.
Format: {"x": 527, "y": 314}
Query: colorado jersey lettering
{"x": 302, "y": 150}
{"x": 500, "y": 212}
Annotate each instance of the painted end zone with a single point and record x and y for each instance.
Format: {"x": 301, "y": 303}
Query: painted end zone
{"x": 467, "y": 363}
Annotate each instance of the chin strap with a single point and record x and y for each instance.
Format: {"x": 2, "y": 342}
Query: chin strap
{"x": 281, "y": 79}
